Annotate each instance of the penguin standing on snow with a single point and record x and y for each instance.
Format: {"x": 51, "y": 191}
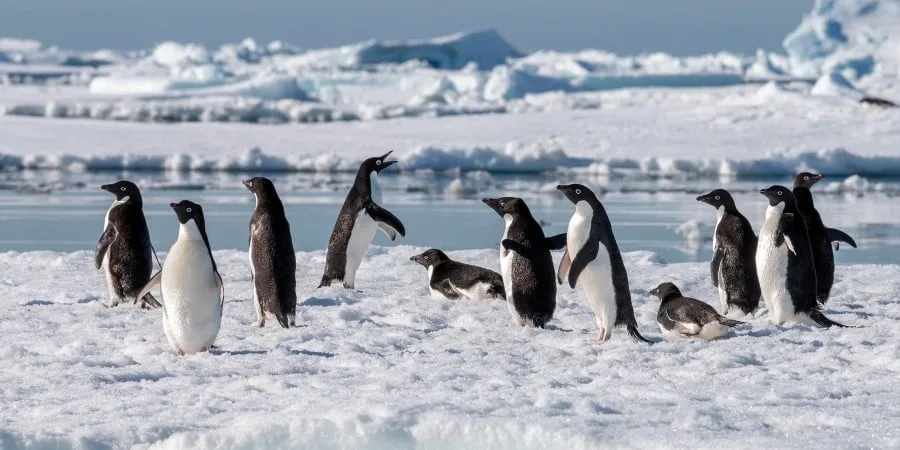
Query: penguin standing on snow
{"x": 124, "y": 249}
{"x": 356, "y": 224}
{"x": 733, "y": 265}
{"x": 592, "y": 259}
{"x": 819, "y": 237}
{"x": 272, "y": 260}
{"x": 784, "y": 263}
{"x": 688, "y": 317}
{"x": 525, "y": 263}
{"x": 192, "y": 290}
{"x": 454, "y": 280}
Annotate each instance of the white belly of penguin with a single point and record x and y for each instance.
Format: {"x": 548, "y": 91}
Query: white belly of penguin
{"x": 361, "y": 236}
{"x": 723, "y": 294}
{"x": 596, "y": 279}
{"x": 772, "y": 266}
{"x": 506, "y": 264}
{"x": 193, "y": 311}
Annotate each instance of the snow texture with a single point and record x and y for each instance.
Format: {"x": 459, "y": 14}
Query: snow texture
{"x": 390, "y": 367}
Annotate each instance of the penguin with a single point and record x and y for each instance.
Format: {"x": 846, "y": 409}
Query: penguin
{"x": 449, "y": 279}
{"x": 192, "y": 290}
{"x": 124, "y": 250}
{"x": 273, "y": 263}
{"x": 685, "y": 316}
{"x": 592, "y": 259}
{"x": 360, "y": 216}
{"x": 525, "y": 263}
{"x": 820, "y": 237}
{"x": 733, "y": 264}
{"x": 784, "y": 263}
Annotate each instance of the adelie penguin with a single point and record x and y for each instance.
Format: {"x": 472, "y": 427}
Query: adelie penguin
{"x": 784, "y": 263}
{"x": 592, "y": 260}
{"x": 360, "y": 216}
{"x": 454, "y": 280}
{"x": 272, "y": 260}
{"x": 688, "y": 317}
{"x": 192, "y": 290}
{"x": 820, "y": 237}
{"x": 733, "y": 264}
{"x": 525, "y": 263}
{"x": 124, "y": 250}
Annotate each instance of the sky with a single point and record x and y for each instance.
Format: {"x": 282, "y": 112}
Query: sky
{"x": 680, "y": 27}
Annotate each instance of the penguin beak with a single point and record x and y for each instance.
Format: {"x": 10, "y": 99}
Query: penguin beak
{"x": 704, "y": 198}
{"x": 492, "y": 203}
{"x": 173, "y": 205}
{"x": 248, "y": 184}
{"x": 654, "y": 291}
{"x": 107, "y": 187}
{"x": 386, "y": 164}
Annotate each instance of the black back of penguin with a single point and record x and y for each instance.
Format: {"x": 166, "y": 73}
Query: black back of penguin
{"x": 735, "y": 253}
{"x": 533, "y": 274}
{"x": 126, "y": 242}
{"x": 459, "y": 274}
{"x": 272, "y": 256}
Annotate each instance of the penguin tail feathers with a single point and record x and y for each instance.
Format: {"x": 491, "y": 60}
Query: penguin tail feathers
{"x": 283, "y": 320}
{"x": 539, "y": 319}
{"x": 729, "y": 322}
{"x": 148, "y": 301}
{"x": 825, "y": 322}
{"x": 636, "y": 335}
{"x": 497, "y": 291}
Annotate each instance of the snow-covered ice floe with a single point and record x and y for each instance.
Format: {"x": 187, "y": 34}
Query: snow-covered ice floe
{"x": 389, "y": 367}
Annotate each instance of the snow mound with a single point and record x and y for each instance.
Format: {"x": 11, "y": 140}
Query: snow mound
{"x": 390, "y": 367}
{"x": 268, "y": 87}
{"x": 854, "y": 37}
{"x": 833, "y": 84}
{"x": 177, "y": 56}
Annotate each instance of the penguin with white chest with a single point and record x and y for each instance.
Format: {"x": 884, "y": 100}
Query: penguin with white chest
{"x": 272, "y": 260}
{"x": 124, "y": 250}
{"x": 525, "y": 263}
{"x": 784, "y": 263}
{"x": 192, "y": 290}
{"x": 454, "y": 280}
{"x": 733, "y": 264}
{"x": 688, "y": 317}
{"x": 820, "y": 237}
{"x": 360, "y": 217}
{"x": 592, "y": 260}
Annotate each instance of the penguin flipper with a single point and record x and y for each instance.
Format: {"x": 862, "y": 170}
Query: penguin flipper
{"x": 446, "y": 288}
{"x": 584, "y": 257}
{"x": 221, "y": 286}
{"x": 729, "y": 322}
{"x": 156, "y": 279}
{"x": 564, "y": 265}
{"x": 387, "y": 222}
{"x": 103, "y": 245}
{"x": 557, "y": 242}
{"x": 717, "y": 258}
{"x": 835, "y": 235}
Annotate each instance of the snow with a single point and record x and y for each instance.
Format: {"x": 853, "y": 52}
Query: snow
{"x": 390, "y": 367}
{"x": 835, "y": 85}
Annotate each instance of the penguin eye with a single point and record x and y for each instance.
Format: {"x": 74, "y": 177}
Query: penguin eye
{"x": 188, "y": 209}
{"x": 806, "y": 177}
{"x": 122, "y": 188}
{"x": 425, "y": 258}
{"x": 779, "y": 193}
{"x": 378, "y": 162}
{"x": 577, "y": 191}
{"x": 503, "y": 204}
{"x": 718, "y": 198}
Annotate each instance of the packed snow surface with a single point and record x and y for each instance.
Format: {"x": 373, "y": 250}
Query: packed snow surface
{"x": 389, "y": 367}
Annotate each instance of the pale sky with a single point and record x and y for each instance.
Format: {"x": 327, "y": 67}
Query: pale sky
{"x": 623, "y": 26}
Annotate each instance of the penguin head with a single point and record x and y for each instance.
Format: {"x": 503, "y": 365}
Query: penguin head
{"x": 777, "y": 194}
{"x": 665, "y": 290}
{"x": 187, "y": 210}
{"x": 506, "y": 205}
{"x": 377, "y": 164}
{"x": 717, "y": 198}
{"x": 259, "y": 185}
{"x": 806, "y": 179}
{"x": 430, "y": 257}
{"x": 122, "y": 189}
{"x": 577, "y": 193}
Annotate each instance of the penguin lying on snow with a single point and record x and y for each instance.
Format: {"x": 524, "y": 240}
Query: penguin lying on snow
{"x": 272, "y": 260}
{"x": 688, "y": 317}
{"x": 784, "y": 263}
{"x": 733, "y": 265}
{"x": 592, "y": 259}
{"x": 454, "y": 280}
{"x": 192, "y": 289}
{"x": 819, "y": 237}
{"x": 124, "y": 250}
{"x": 525, "y": 262}
{"x": 360, "y": 216}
